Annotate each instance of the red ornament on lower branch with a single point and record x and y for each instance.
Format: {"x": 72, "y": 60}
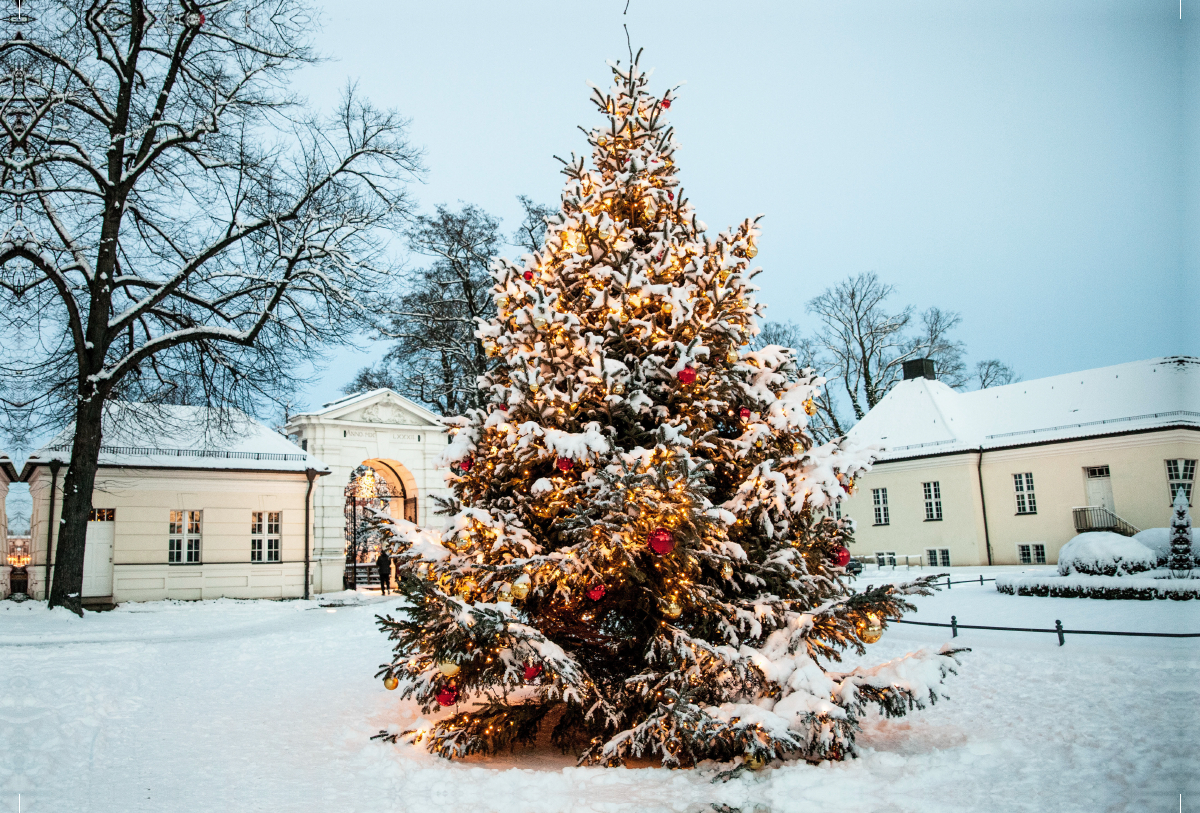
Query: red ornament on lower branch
{"x": 466, "y": 463}
{"x": 565, "y": 464}
{"x": 447, "y": 695}
{"x": 687, "y": 375}
{"x": 661, "y": 541}
{"x": 841, "y": 556}
{"x": 596, "y": 591}
{"x": 532, "y": 670}
{"x": 744, "y": 413}
{"x": 528, "y": 275}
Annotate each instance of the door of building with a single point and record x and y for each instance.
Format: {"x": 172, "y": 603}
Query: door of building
{"x": 1099, "y": 487}
{"x": 97, "y": 558}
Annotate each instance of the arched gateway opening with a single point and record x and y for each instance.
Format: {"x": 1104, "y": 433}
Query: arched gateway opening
{"x": 375, "y": 486}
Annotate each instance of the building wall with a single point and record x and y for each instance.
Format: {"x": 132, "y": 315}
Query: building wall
{"x": 4, "y": 568}
{"x": 960, "y": 530}
{"x": 1139, "y": 480}
{"x": 143, "y": 500}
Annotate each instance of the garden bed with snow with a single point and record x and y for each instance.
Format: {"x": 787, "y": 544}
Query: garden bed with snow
{"x": 1146, "y": 586}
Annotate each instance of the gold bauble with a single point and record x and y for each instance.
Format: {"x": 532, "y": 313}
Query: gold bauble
{"x": 492, "y": 351}
{"x": 540, "y": 321}
{"x": 449, "y": 668}
{"x": 390, "y": 682}
{"x": 520, "y": 588}
{"x": 504, "y": 593}
{"x": 618, "y": 388}
{"x": 671, "y": 609}
{"x": 732, "y": 357}
{"x": 751, "y": 251}
{"x": 868, "y": 629}
{"x": 809, "y": 407}
{"x": 797, "y": 449}
{"x": 534, "y": 387}
{"x": 753, "y": 762}
{"x": 758, "y": 444}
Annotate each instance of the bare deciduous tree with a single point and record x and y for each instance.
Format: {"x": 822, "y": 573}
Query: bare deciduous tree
{"x": 436, "y": 358}
{"x": 178, "y": 228}
{"x": 866, "y": 346}
{"x": 993, "y": 373}
{"x": 825, "y": 424}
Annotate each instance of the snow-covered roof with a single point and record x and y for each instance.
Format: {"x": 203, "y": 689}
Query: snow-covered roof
{"x": 375, "y": 406}
{"x": 184, "y": 437}
{"x": 6, "y": 466}
{"x": 919, "y": 417}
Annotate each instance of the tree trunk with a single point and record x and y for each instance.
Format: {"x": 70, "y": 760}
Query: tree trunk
{"x": 67, "y": 590}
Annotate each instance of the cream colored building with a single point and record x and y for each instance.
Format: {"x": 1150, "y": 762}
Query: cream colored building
{"x": 1008, "y": 475}
{"x": 182, "y": 509}
{"x": 186, "y": 509}
{"x": 8, "y": 474}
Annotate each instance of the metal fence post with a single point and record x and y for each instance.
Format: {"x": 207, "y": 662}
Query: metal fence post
{"x": 953, "y": 626}
{"x": 948, "y": 581}
{"x": 981, "y": 580}
{"x": 1058, "y": 628}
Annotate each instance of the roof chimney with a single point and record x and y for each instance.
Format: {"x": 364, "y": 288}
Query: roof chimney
{"x": 919, "y": 368}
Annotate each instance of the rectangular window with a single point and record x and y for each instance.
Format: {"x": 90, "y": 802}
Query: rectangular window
{"x": 934, "y": 556}
{"x": 1023, "y": 486}
{"x": 265, "y": 537}
{"x": 1032, "y": 554}
{"x": 933, "y": 501}
{"x": 879, "y": 500}
{"x": 885, "y": 558}
{"x": 183, "y": 543}
{"x": 1180, "y": 476}
{"x": 1097, "y": 471}
{"x": 102, "y": 515}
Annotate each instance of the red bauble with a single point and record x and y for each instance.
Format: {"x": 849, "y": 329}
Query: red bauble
{"x": 841, "y": 556}
{"x": 666, "y": 103}
{"x": 466, "y": 463}
{"x": 661, "y": 541}
{"x": 744, "y": 413}
{"x": 528, "y": 275}
{"x": 596, "y": 591}
{"x": 687, "y": 375}
{"x": 670, "y": 195}
{"x": 504, "y": 407}
{"x": 447, "y": 695}
{"x": 565, "y": 464}
{"x": 532, "y": 670}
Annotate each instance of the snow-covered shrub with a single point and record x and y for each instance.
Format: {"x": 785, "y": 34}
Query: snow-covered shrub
{"x": 1159, "y": 541}
{"x": 1103, "y": 553}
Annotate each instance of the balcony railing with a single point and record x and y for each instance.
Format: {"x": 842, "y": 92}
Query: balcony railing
{"x": 1099, "y": 518}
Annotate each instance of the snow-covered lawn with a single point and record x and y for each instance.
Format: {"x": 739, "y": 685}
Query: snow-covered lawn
{"x": 248, "y": 706}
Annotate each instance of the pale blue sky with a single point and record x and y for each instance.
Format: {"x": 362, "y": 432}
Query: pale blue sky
{"x": 1020, "y": 162}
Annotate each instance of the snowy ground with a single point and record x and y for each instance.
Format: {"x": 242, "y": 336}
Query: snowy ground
{"x": 249, "y": 706}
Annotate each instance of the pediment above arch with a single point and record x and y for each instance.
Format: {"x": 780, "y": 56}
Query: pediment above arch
{"x": 383, "y": 407}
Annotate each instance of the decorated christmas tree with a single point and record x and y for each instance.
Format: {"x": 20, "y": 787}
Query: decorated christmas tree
{"x": 1181, "y": 559}
{"x": 642, "y": 552}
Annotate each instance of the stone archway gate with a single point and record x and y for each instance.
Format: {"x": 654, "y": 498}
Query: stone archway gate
{"x": 398, "y": 438}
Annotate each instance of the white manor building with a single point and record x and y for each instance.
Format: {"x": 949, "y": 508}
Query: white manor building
{"x": 1008, "y": 475}
{"x": 185, "y": 509}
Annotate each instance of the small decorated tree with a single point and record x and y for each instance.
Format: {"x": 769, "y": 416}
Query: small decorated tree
{"x": 641, "y": 552}
{"x": 1182, "y": 557}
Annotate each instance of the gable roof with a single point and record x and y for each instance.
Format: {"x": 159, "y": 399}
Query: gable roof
{"x": 919, "y": 417}
{"x": 183, "y": 437}
{"x": 375, "y": 406}
{"x": 6, "y": 466}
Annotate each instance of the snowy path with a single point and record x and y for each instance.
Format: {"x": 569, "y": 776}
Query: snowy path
{"x": 249, "y": 706}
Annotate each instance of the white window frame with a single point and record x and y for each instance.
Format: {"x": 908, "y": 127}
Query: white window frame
{"x": 1181, "y": 474}
{"x": 879, "y": 503}
{"x": 266, "y": 536}
{"x": 102, "y": 515}
{"x": 885, "y": 558}
{"x": 1023, "y": 491}
{"x": 937, "y": 557}
{"x": 185, "y": 537}
{"x": 933, "y": 500}
{"x": 1031, "y": 553}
